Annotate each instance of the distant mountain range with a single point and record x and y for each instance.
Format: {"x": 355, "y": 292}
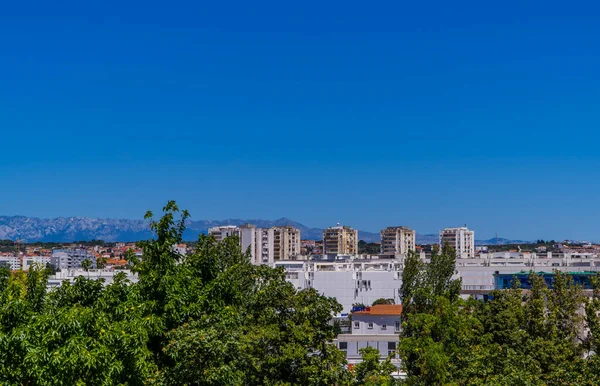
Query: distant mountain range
{"x": 434, "y": 239}
{"x": 69, "y": 229}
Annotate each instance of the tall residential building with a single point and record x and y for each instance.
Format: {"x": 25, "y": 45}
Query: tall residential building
{"x": 340, "y": 240}
{"x": 461, "y": 239}
{"x": 270, "y": 244}
{"x": 71, "y": 258}
{"x": 397, "y": 241}
{"x": 286, "y": 243}
{"x": 221, "y": 232}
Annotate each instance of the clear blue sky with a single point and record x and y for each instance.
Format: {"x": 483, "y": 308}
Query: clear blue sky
{"x": 426, "y": 114}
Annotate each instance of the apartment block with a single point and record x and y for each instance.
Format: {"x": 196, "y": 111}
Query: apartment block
{"x": 13, "y": 262}
{"x": 71, "y": 258}
{"x": 461, "y": 239}
{"x": 266, "y": 245}
{"x": 340, "y": 240}
{"x": 287, "y": 243}
{"x": 222, "y": 232}
{"x": 396, "y": 241}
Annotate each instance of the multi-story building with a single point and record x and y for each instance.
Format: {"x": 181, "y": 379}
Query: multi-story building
{"x": 397, "y": 241}
{"x": 266, "y": 245}
{"x": 376, "y": 326}
{"x": 364, "y": 281}
{"x": 461, "y": 239}
{"x": 221, "y": 232}
{"x": 13, "y": 262}
{"x": 286, "y": 245}
{"x": 71, "y": 258}
{"x": 39, "y": 261}
{"x": 340, "y": 240}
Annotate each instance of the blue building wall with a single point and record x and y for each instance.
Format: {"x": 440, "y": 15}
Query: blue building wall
{"x": 505, "y": 280}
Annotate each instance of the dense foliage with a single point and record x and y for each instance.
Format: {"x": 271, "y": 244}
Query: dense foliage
{"x": 213, "y": 318}
{"x": 209, "y": 318}
{"x": 369, "y": 248}
{"x": 540, "y": 336}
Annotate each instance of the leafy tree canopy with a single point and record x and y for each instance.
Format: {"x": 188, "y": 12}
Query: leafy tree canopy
{"x": 209, "y": 318}
{"x": 537, "y": 337}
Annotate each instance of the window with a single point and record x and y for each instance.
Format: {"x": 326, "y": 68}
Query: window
{"x": 356, "y": 324}
{"x": 343, "y": 346}
{"x": 391, "y": 348}
{"x": 384, "y": 326}
{"x": 397, "y": 326}
{"x": 370, "y": 326}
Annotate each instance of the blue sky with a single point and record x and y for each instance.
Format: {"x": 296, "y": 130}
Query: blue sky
{"x": 426, "y": 114}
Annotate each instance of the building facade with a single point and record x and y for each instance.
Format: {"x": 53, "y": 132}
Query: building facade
{"x": 396, "y": 241}
{"x": 222, "y": 232}
{"x": 286, "y": 245}
{"x": 71, "y": 258}
{"x": 349, "y": 282}
{"x": 461, "y": 239}
{"x": 39, "y": 261}
{"x": 376, "y": 326}
{"x": 13, "y": 262}
{"x": 267, "y": 245}
{"x": 340, "y": 240}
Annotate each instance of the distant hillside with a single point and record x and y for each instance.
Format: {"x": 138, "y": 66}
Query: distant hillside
{"x": 427, "y": 239}
{"x": 68, "y": 229}
{"x": 501, "y": 241}
{"x": 434, "y": 239}
{"x": 72, "y": 229}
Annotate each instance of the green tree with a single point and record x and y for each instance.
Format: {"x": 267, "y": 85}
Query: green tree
{"x": 369, "y": 248}
{"x": 439, "y": 329}
{"x": 86, "y": 264}
{"x": 4, "y": 276}
{"x": 209, "y": 318}
{"x": 228, "y": 321}
{"x": 372, "y": 371}
{"x": 383, "y": 301}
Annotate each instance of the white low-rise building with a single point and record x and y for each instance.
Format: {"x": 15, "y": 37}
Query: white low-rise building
{"x": 364, "y": 281}
{"x": 375, "y": 326}
{"x": 13, "y": 262}
{"x": 107, "y": 275}
{"x": 40, "y": 261}
{"x": 349, "y": 282}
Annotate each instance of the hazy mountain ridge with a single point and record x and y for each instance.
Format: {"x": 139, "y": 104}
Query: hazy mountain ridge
{"x": 434, "y": 239}
{"x": 68, "y": 229}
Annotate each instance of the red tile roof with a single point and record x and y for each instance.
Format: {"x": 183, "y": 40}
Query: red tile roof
{"x": 382, "y": 309}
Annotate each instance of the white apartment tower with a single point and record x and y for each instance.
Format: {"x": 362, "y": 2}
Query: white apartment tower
{"x": 397, "y": 241}
{"x": 461, "y": 239}
{"x": 340, "y": 240}
{"x": 222, "y": 232}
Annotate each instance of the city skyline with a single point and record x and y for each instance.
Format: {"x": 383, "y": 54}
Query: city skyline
{"x": 427, "y": 115}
